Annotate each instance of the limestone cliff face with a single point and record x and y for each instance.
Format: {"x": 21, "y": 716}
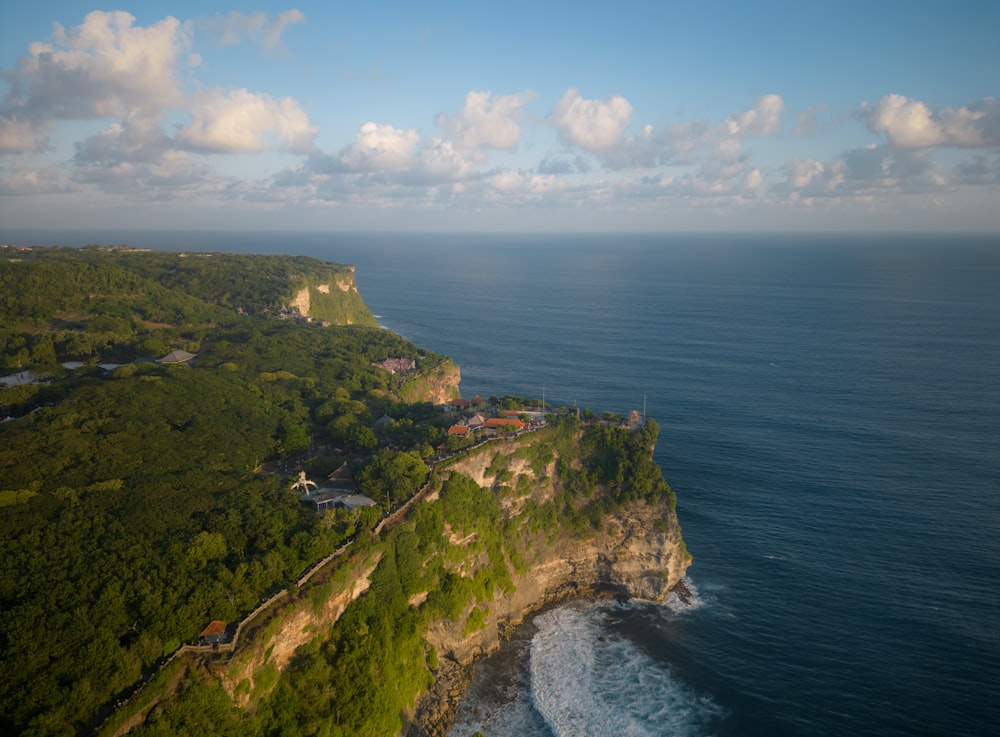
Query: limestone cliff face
{"x": 252, "y": 671}
{"x": 637, "y": 552}
{"x": 331, "y": 297}
{"x": 632, "y": 556}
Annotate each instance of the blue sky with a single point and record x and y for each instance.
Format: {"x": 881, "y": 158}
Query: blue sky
{"x": 474, "y": 116}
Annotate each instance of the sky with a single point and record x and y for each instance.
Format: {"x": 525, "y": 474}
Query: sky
{"x": 515, "y": 116}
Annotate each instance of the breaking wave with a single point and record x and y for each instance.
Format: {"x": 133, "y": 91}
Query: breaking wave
{"x": 585, "y": 682}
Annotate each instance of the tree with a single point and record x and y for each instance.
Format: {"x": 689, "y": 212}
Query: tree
{"x": 43, "y": 353}
{"x": 393, "y": 475}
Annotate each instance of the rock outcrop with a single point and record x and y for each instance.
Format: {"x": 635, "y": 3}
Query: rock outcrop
{"x": 331, "y": 297}
{"x": 252, "y": 669}
{"x": 636, "y": 553}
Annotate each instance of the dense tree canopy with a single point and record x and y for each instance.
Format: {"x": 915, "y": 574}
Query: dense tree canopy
{"x": 139, "y": 501}
{"x": 133, "y": 511}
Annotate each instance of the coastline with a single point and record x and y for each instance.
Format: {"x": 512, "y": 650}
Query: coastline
{"x": 437, "y": 709}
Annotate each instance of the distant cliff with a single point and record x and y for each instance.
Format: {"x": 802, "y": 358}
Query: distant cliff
{"x": 329, "y": 294}
{"x": 147, "y": 288}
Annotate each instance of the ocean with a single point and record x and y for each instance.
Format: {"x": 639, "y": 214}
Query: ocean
{"x": 830, "y": 420}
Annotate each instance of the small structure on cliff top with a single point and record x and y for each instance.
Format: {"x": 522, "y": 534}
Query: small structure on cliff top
{"x": 176, "y": 358}
{"x": 635, "y": 420}
{"x": 213, "y": 634}
{"x": 337, "y": 498}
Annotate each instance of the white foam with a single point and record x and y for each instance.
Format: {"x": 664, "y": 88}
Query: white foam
{"x": 689, "y": 600}
{"x": 585, "y": 683}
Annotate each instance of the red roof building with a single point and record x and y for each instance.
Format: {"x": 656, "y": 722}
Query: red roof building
{"x": 495, "y": 422}
{"x": 214, "y": 633}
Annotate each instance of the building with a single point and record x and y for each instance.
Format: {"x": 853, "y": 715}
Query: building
{"x": 334, "y": 499}
{"x": 176, "y": 358}
{"x": 495, "y": 423}
{"x": 635, "y": 421}
{"x": 213, "y": 634}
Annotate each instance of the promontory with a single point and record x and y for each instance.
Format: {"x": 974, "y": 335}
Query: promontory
{"x": 232, "y": 504}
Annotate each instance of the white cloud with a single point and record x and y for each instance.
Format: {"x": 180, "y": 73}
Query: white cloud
{"x": 487, "y": 121}
{"x": 865, "y": 171}
{"x": 439, "y": 161}
{"x": 18, "y": 135}
{"x": 507, "y": 181}
{"x": 175, "y": 174}
{"x": 593, "y": 125}
{"x": 763, "y": 119}
{"x": 910, "y": 123}
{"x": 266, "y": 30}
{"x": 134, "y": 139}
{"x": 107, "y": 67}
{"x": 515, "y": 183}
{"x": 18, "y": 180}
{"x": 381, "y": 159}
{"x": 242, "y": 121}
{"x": 380, "y": 147}
{"x": 599, "y": 128}
{"x": 801, "y": 172}
{"x": 103, "y": 68}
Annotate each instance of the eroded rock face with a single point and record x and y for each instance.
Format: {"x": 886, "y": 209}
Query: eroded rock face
{"x": 297, "y": 623}
{"x": 301, "y": 302}
{"x": 638, "y": 553}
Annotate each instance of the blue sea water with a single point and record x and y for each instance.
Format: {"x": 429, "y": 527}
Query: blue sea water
{"x": 830, "y": 420}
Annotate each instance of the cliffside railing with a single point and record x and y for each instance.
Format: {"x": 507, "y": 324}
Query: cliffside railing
{"x": 229, "y": 647}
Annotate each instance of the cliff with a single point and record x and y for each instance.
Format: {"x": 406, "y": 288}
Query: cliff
{"x": 275, "y": 639}
{"x": 495, "y": 534}
{"x": 637, "y": 552}
{"x": 630, "y": 557}
{"x": 329, "y": 294}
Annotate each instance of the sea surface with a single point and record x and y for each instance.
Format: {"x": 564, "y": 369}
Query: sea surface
{"x": 830, "y": 420}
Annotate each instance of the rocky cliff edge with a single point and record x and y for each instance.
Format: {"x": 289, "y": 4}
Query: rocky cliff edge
{"x": 636, "y": 551}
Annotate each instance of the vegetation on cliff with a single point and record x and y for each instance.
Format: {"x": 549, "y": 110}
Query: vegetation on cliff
{"x": 448, "y": 567}
{"x": 144, "y": 500}
{"x": 115, "y": 294}
{"x": 139, "y": 503}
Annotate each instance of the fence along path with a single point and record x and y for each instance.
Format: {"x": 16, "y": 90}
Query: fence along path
{"x": 389, "y": 520}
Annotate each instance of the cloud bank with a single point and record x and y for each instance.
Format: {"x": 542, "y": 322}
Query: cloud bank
{"x": 162, "y": 135}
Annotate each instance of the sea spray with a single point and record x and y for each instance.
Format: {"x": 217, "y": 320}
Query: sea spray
{"x": 567, "y": 673}
{"x": 584, "y": 681}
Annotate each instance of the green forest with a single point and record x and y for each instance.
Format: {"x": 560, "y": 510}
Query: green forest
{"x": 132, "y": 509}
{"x": 363, "y": 676}
{"x": 141, "y": 500}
